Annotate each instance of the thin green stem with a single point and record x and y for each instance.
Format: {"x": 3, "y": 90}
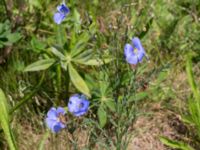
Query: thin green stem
{"x": 28, "y": 97}
{"x": 134, "y": 89}
{"x": 58, "y": 84}
{"x": 67, "y": 80}
{"x": 6, "y": 9}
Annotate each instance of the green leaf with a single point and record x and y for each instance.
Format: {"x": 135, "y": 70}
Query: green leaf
{"x": 194, "y": 115}
{"x": 191, "y": 80}
{"x": 94, "y": 62}
{"x": 37, "y": 45}
{"x": 13, "y": 37}
{"x": 58, "y": 53}
{"x": 1, "y": 28}
{"x": 36, "y": 3}
{"x": 60, "y": 35}
{"x": 78, "y": 81}
{"x": 104, "y": 88}
{"x": 110, "y": 104}
{"x": 80, "y": 45}
{"x": 40, "y": 65}
{"x": 187, "y": 119}
{"x": 93, "y": 28}
{"x": 175, "y": 144}
{"x": 42, "y": 142}
{"x": 102, "y": 115}
{"x": 4, "y": 121}
{"x": 77, "y": 20}
{"x": 162, "y": 76}
{"x": 138, "y": 96}
{"x": 84, "y": 56}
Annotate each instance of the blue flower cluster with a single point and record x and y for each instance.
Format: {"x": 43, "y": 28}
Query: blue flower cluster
{"x": 54, "y": 119}
{"x": 78, "y": 105}
{"x": 133, "y": 53}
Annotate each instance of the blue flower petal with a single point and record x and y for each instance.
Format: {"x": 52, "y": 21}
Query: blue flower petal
{"x": 80, "y": 113}
{"x": 132, "y": 60}
{"x": 128, "y": 50}
{"x": 61, "y": 125}
{"x": 137, "y": 44}
{"x": 63, "y": 9}
{"x": 60, "y": 110}
{"x": 52, "y": 113}
{"x": 50, "y": 122}
{"x": 140, "y": 56}
{"x": 83, "y": 97}
{"x": 56, "y": 128}
{"x": 72, "y": 104}
{"x": 78, "y": 104}
{"x": 133, "y": 57}
{"x": 84, "y": 105}
{"x": 59, "y": 17}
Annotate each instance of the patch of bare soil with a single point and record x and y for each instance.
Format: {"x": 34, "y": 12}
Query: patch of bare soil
{"x": 149, "y": 128}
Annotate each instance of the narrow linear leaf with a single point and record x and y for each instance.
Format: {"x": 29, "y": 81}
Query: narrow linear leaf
{"x": 42, "y": 142}
{"x": 58, "y": 53}
{"x": 78, "y": 81}
{"x": 4, "y": 121}
{"x": 79, "y": 47}
{"x": 29, "y": 96}
{"x": 175, "y": 144}
{"x": 191, "y": 78}
{"x": 111, "y": 104}
{"x": 84, "y": 55}
{"x": 94, "y": 62}
{"x": 138, "y": 96}
{"x": 60, "y": 35}
{"x": 40, "y": 65}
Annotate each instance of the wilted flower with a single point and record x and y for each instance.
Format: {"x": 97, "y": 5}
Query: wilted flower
{"x": 134, "y": 53}
{"x": 62, "y": 11}
{"x": 78, "y": 104}
{"x": 55, "y": 119}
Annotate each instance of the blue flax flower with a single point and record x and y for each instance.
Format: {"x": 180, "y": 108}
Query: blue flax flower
{"x": 55, "y": 119}
{"x": 134, "y": 53}
{"x": 62, "y": 11}
{"x": 78, "y": 105}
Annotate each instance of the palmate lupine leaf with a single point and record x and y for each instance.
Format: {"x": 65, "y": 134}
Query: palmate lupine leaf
{"x": 79, "y": 47}
{"x": 102, "y": 115}
{"x": 40, "y": 65}
{"x": 4, "y": 121}
{"x": 57, "y": 53}
{"x": 78, "y": 81}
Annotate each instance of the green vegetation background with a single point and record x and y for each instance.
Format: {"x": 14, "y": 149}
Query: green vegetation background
{"x": 169, "y": 31}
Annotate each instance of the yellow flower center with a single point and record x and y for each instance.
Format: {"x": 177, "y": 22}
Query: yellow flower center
{"x": 136, "y": 51}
